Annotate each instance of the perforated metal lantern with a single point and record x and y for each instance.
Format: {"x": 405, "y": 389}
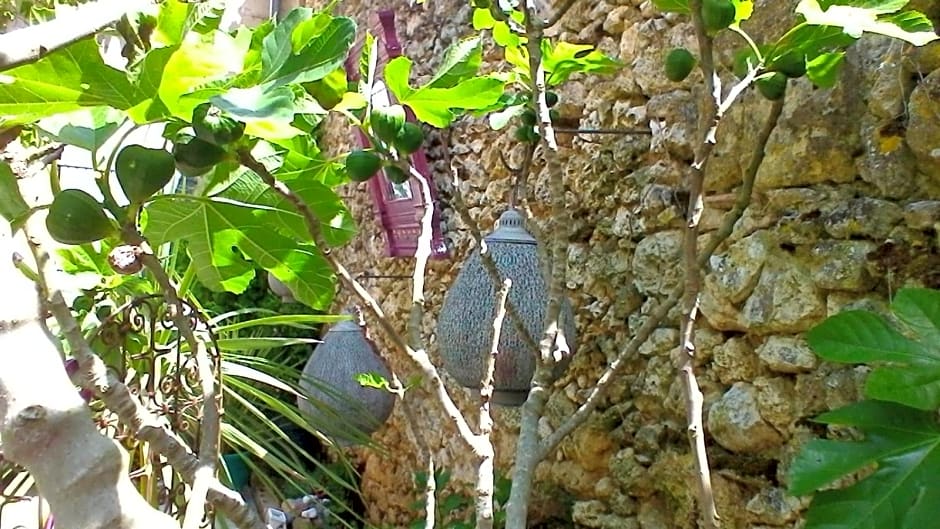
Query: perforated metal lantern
{"x": 465, "y": 324}
{"x": 330, "y": 378}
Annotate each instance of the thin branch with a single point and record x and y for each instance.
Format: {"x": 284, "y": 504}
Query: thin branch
{"x": 709, "y": 121}
{"x": 211, "y": 416}
{"x": 521, "y": 174}
{"x": 422, "y": 254}
{"x": 118, "y": 398}
{"x": 747, "y": 183}
{"x": 418, "y": 356}
{"x": 484, "y": 491}
{"x": 553, "y": 345}
{"x": 29, "y": 44}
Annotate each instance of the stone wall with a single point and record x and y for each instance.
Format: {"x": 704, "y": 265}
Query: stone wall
{"x": 846, "y": 210}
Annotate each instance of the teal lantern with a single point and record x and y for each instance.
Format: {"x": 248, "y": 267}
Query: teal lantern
{"x": 335, "y": 400}
{"x": 465, "y": 330}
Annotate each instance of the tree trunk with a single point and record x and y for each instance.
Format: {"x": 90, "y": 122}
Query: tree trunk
{"x": 46, "y": 427}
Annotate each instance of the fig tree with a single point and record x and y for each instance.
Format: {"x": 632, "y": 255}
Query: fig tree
{"x": 409, "y": 138}
{"x": 717, "y": 14}
{"x": 773, "y": 86}
{"x": 194, "y": 156}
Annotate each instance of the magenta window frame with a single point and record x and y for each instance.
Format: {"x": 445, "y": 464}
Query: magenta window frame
{"x": 400, "y": 218}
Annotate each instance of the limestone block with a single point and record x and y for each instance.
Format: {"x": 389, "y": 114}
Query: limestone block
{"x": 629, "y": 474}
{"x": 787, "y": 354}
{"x": 652, "y": 385}
{"x": 735, "y": 422}
{"x": 735, "y": 273}
{"x": 648, "y": 437}
{"x": 923, "y": 127}
{"x": 594, "y": 514}
{"x": 655, "y": 515}
{"x": 678, "y": 112}
{"x": 807, "y": 149}
{"x": 922, "y": 215}
{"x": 657, "y": 263}
{"x": 775, "y": 401}
{"x": 827, "y": 388}
{"x": 841, "y": 265}
{"x": 863, "y": 217}
{"x": 735, "y": 361}
{"x": 924, "y": 59}
{"x": 887, "y": 163}
{"x": 774, "y": 506}
{"x": 660, "y": 342}
{"x": 785, "y": 299}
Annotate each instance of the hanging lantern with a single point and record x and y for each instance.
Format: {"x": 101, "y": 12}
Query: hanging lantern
{"x": 329, "y": 379}
{"x": 465, "y": 325}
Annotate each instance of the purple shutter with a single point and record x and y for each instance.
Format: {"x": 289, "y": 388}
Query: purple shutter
{"x": 398, "y": 208}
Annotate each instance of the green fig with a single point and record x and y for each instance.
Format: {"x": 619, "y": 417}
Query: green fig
{"x": 387, "y": 121}
{"x": 75, "y": 217}
{"x": 362, "y": 165}
{"x": 142, "y": 171}
{"x": 214, "y": 126}
{"x": 773, "y": 86}
{"x": 679, "y": 64}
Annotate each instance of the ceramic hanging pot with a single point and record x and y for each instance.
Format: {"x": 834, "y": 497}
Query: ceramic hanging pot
{"x": 465, "y": 324}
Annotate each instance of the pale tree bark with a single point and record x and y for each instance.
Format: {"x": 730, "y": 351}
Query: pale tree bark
{"x": 32, "y": 43}
{"x": 46, "y": 427}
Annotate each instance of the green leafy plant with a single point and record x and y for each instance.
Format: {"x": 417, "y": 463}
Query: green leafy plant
{"x": 453, "y": 509}
{"x": 895, "y": 461}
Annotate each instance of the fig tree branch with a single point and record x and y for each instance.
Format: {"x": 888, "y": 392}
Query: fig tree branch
{"x": 485, "y": 469}
{"x": 709, "y": 120}
{"x": 211, "y": 416}
{"x": 43, "y": 421}
{"x": 118, "y": 398}
{"x": 553, "y": 345}
{"x": 29, "y": 44}
{"x": 658, "y": 315}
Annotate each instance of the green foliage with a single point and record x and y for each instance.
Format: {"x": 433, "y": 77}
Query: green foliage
{"x": 899, "y": 452}
{"x": 907, "y": 355}
{"x": 881, "y": 17}
{"x": 63, "y": 81}
{"x": 87, "y": 128}
{"x": 240, "y": 232}
{"x": 815, "y": 47}
{"x": 453, "y": 89}
{"x": 12, "y": 205}
{"x": 75, "y": 217}
{"x": 454, "y": 510}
